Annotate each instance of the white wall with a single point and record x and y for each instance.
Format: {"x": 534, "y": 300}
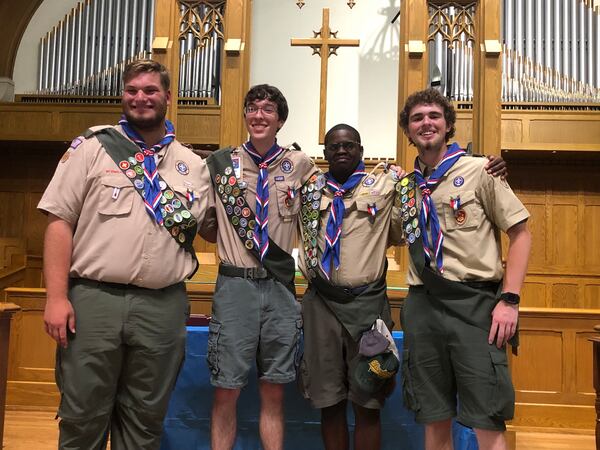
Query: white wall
{"x": 362, "y": 81}
{"x": 25, "y": 74}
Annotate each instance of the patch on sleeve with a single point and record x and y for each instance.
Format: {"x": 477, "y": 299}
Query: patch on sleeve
{"x": 65, "y": 156}
{"x": 76, "y": 142}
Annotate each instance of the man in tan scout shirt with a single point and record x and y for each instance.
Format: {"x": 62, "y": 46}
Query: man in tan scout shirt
{"x": 116, "y": 302}
{"x": 255, "y": 315}
{"x": 345, "y": 231}
{"x": 462, "y": 307}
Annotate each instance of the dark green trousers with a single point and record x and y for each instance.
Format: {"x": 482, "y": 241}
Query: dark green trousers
{"x": 118, "y": 371}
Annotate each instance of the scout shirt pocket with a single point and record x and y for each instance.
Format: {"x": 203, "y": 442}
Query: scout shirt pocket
{"x": 369, "y": 212}
{"x": 191, "y": 203}
{"x": 468, "y": 214}
{"x": 288, "y": 199}
{"x": 117, "y": 195}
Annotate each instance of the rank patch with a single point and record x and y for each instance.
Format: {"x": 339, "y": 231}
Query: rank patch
{"x": 458, "y": 181}
{"x": 182, "y": 167}
{"x": 287, "y": 166}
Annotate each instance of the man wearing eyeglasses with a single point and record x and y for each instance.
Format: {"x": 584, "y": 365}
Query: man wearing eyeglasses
{"x": 255, "y": 315}
{"x": 346, "y": 228}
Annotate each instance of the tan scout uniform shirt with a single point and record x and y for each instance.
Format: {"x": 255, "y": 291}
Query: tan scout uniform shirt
{"x": 472, "y": 249}
{"x": 291, "y": 169}
{"x": 115, "y": 239}
{"x": 363, "y": 243}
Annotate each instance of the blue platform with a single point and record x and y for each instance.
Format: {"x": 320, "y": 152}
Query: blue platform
{"x": 187, "y": 422}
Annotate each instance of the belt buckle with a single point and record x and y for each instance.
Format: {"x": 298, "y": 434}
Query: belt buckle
{"x": 260, "y": 272}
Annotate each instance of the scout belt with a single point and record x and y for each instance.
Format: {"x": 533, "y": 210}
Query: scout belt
{"x": 356, "y": 313}
{"x": 178, "y": 220}
{"x": 277, "y": 261}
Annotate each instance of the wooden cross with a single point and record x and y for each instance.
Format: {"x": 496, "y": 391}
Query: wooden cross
{"x": 324, "y": 43}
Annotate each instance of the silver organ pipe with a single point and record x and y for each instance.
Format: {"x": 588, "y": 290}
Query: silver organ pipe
{"x": 200, "y": 50}
{"x": 85, "y": 53}
{"x": 551, "y": 50}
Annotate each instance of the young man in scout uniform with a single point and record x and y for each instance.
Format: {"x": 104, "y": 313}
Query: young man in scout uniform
{"x": 345, "y": 232}
{"x": 255, "y": 315}
{"x": 123, "y": 208}
{"x": 462, "y": 307}
{"x": 346, "y": 228}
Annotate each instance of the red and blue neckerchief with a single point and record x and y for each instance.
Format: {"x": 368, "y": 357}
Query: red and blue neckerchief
{"x": 261, "y": 230}
{"x": 336, "y": 216}
{"x": 428, "y": 212}
{"x": 152, "y": 192}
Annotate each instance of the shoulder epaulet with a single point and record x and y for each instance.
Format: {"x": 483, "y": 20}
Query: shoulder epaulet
{"x": 379, "y": 168}
{"x": 293, "y": 146}
{"x": 93, "y": 130}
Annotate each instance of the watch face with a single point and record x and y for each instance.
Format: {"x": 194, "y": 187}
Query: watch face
{"x": 510, "y": 297}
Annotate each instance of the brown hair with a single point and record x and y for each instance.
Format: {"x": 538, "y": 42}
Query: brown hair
{"x": 428, "y": 97}
{"x": 138, "y": 66}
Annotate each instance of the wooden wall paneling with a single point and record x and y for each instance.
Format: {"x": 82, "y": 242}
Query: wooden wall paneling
{"x": 199, "y": 125}
{"x": 7, "y": 310}
{"x": 31, "y": 366}
{"x": 551, "y": 375}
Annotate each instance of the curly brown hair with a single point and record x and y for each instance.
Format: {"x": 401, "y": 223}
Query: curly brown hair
{"x": 428, "y": 97}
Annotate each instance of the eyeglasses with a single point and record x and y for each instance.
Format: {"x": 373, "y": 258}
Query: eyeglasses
{"x": 346, "y": 145}
{"x": 267, "y": 110}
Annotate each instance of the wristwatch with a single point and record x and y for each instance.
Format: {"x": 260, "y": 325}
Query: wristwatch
{"x": 510, "y": 298}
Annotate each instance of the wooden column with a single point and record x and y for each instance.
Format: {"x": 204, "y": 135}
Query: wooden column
{"x": 596, "y": 351}
{"x": 488, "y": 79}
{"x": 165, "y": 47}
{"x": 6, "y": 312}
{"x": 414, "y": 66}
{"x": 236, "y": 71}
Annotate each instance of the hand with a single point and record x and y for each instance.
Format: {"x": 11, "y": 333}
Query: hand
{"x": 504, "y": 323}
{"x": 496, "y": 166}
{"x": 59, "y": 315}
{"x": 400, "y": 172}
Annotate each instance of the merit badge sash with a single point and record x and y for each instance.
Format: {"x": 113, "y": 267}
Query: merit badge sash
{"x": 311, "y": 194}
{"x": 178, "y": 220}
{"x": 277, "y": 261}
{"x": 406, "y": 201}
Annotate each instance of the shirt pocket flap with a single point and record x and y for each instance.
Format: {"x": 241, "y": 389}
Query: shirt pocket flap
{"x": 116, "y": 198}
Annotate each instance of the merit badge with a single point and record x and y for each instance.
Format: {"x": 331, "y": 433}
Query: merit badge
{"x": 186, "y": 214}
{"x": 404, "y": 182}
{"x": 246, "y": 212}
{"x": 139, "y": 170}
{"x": 162, "y": 185}
{"x": 458, "y": 181}
{"x": 169, "y": 208}
{"x": 369, "y": 181}
{"x": 132, "y": 161}
{"x": 139, "y": 157}
{"x": 182, "y": 167}
{"x": 177, "y": 218}
{"x": 236, "y": 162}
{"x": 139, "y": 184}
{"x": 287, "y": 166}
{"x": 124, "y": 165}
{"x": 130, "y": 173}
{"x": 228, "y": 171}
{"x": 176, "y": 203}
{"x": 232, "y": 181}
{"x": 320, "y": 182}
